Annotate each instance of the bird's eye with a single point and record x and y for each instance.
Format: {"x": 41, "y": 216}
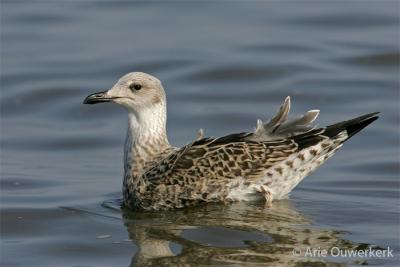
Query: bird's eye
{"x": 135, "y": 86}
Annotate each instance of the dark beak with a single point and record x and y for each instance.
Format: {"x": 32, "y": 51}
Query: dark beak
{"x": 95, "y": 98}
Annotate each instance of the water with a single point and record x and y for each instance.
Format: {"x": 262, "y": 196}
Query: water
{"x": 223, "y": 66}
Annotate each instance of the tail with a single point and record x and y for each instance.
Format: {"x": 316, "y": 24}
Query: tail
{"x": 351, "y": 127}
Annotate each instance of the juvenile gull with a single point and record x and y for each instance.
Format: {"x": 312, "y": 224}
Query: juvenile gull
{"x": 267, "y": 163}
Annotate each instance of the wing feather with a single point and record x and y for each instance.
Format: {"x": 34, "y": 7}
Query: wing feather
{"x": 216, "y": 161}
{"x": 279, "y": 127}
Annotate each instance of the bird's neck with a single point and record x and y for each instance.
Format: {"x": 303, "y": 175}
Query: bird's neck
{"x": 146, "y": 139}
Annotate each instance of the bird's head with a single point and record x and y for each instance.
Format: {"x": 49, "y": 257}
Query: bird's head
{"x": 135, "y": 91}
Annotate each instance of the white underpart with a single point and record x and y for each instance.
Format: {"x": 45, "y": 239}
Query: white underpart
{"x": 280, "y": 185}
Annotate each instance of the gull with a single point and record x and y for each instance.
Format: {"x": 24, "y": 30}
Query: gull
{"x": 265, "y": 164}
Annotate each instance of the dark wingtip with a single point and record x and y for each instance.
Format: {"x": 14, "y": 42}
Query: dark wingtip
{"x": 352, "y": 126}
{"x": 360, "y": 123}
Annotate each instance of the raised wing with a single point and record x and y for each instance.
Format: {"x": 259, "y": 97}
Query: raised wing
{"x": 279, "y": 127}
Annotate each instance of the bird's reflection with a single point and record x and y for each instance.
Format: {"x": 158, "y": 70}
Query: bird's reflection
{"x": 269, "y": 236}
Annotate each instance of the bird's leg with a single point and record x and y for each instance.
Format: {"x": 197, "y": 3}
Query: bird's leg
{"x": 267, "y": 195}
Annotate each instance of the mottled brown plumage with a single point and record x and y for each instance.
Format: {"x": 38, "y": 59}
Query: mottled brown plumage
{"x": 267, "y": 164}
{"x": 205, "y": 170}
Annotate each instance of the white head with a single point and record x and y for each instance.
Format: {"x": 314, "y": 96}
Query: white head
{"x": 135, "y": 91}
{"x": 144, "y": 98}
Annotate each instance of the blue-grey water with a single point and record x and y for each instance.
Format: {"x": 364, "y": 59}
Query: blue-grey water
{"x": 223, "y": 64}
